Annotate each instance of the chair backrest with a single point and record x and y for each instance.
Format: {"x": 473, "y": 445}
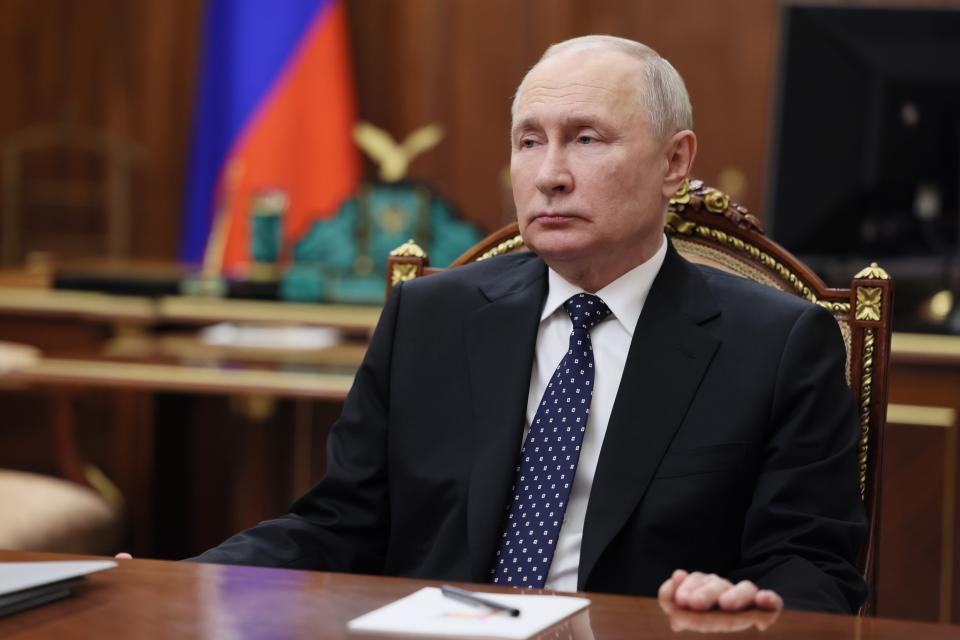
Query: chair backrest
{"x": 707, "y": 228}
{"x": 76, "y": 182}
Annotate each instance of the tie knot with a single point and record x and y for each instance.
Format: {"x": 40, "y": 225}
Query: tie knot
{"x": 586, "y": 310}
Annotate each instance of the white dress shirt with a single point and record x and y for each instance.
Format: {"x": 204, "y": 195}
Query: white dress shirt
{"x": 611, "y": 341}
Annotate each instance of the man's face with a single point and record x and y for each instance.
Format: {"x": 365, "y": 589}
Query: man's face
{"x": 587, "y": 172}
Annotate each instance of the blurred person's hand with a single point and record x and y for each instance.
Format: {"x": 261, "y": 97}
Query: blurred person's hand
{"x": 123, "y": 555}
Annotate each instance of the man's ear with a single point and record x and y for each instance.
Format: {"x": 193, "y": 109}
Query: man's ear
{"x": 680, "y": 152}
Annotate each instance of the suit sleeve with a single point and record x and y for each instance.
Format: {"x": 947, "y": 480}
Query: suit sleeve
{"x": 806, "y": 523}
{"x": 342, "y": 523}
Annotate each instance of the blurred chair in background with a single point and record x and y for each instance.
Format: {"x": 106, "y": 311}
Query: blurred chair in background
{"x": 66, "y": 190}
{"x": 81, "y": 512}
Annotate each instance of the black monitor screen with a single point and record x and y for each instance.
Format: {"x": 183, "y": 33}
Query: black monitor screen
{"x": 866, "y": 142}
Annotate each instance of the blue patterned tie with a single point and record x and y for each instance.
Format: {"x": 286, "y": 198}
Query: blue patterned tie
{"x": 548, "y": 460}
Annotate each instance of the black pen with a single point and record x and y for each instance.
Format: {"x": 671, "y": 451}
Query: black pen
{"x": 471, "y": 598}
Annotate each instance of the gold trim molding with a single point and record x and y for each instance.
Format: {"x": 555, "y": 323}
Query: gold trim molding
{"x": 866, "y": 388}
{"x": 504, "y": 247}
{"x": 403, "y": 273}
{"x": 682, "y": 196}
{"x": 409, "y": 249}
{"x": 869, "y": 302}
{"x": 676, "y": 224}
{"x": 873, "y": 272}
{"x": 716, "y": 201}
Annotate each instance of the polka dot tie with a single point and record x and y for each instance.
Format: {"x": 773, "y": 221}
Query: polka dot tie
{"x": 548, "y": 460}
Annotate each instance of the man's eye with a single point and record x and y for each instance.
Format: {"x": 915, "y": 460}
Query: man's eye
{"x": 527, "y": 143}
{"x": 585, "y": 140}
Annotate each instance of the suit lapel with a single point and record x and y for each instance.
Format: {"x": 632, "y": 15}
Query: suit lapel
{"x": 501, "y": 338}
{"x": 668, "y": 357}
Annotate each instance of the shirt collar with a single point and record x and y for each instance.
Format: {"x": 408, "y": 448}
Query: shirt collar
{"x": 625, "y": 296}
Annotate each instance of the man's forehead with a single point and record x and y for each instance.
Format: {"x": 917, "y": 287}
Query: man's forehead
{"x": 576, "y": 105}
{"x": 580, "y": 79}
{"x": 590, "y": 67}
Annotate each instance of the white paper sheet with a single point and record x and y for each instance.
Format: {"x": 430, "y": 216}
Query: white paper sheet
{"x": 16, "y": 576}
{"x": 228, "y": 334}
{"x": 428, "y": 613}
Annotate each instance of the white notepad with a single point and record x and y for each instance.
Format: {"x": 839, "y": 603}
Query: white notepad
{"x": 18, "y": 576}
{"x": 428, "y": 613}
{"x": 24, "y": 585}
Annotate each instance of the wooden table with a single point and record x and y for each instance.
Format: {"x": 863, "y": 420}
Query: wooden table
{"x": 158, "y": 599}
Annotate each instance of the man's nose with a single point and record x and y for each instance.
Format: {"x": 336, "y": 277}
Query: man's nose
{"x": 554, "y": 175}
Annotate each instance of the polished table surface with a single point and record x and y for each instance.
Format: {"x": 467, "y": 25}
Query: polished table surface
{"x": 151, "y": 598}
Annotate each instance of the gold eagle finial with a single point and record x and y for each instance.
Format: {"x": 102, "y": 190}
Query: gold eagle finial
{"x": 394, "y": 159}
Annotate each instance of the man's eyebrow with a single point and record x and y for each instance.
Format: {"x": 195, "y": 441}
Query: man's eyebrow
{"x": 580, "y": 120}
{"x": 529, "y": 122}
{"x": 571, "y": 120}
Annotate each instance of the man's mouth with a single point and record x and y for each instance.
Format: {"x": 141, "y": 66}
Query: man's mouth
{"x": 549, "y": 217}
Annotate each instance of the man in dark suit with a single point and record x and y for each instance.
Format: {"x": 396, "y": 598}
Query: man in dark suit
{"x": 695, "y": 420}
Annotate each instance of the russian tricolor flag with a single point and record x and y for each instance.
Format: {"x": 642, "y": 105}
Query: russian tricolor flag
{"x": 276, "y": 109}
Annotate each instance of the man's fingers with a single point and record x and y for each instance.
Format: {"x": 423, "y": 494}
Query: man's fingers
{"x": 739, "y": 597}
{"x": 768, "y": 600}
{"x": 701, "y": 592}
{"x": 123, "y": 556}
{"x": 665, "y": 592}
{"x": 687, "y": 586}
{"x": 670, "y": 585}
{"x": 695, "y": 591}
{"x": 678, "y": 577}
{"x": 706, "y": 596}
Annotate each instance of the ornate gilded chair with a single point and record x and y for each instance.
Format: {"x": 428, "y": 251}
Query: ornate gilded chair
{"x": 707, "y": 228}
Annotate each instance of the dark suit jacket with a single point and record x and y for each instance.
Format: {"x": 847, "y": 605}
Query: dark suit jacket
{"x": 730, "y": 449}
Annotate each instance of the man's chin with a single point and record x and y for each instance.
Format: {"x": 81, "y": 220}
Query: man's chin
{"x": 562, "y": 258}
{"x": 555, "y": 244}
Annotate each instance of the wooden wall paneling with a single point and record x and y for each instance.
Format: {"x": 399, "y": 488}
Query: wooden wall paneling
{"x": 545, "y": 22}
{"x": 397, "y": 60}
{"x": 123, "y": 67}
{"x": 918, "y": 530}
{"x": 131, "y": 68}
{"x": 930, "y": 382}
{"x": 483, "y": 66}
{"x": 374, "y": 43}
{"x": 162, "y": 89}
{"x": 419, "y": 63}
